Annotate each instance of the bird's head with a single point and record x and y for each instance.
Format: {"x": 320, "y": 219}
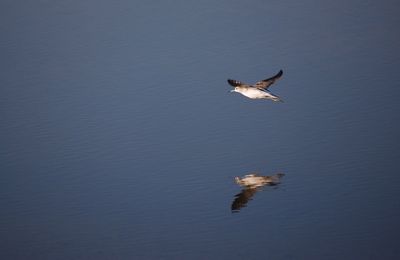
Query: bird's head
{"x": 236, "y": 89}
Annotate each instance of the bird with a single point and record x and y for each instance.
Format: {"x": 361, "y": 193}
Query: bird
{"x": 257, "y": 91}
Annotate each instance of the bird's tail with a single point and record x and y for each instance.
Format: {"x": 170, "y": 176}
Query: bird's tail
{"x": 277, "y": 177}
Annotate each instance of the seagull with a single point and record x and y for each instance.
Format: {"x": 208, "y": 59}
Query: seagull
{"x": 258, "y": 90}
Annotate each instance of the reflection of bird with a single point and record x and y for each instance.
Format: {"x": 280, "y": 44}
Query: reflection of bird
{"x": 258, "y": 90}
{"x": 252, "y": 183}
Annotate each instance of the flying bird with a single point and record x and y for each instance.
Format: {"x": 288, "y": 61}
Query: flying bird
{"x": 258, "y": 90}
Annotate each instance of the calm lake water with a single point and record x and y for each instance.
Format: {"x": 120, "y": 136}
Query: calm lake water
{"x": 120, "y": 139}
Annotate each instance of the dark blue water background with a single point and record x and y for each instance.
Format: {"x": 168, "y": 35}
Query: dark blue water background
{"x": 119, "y": 138}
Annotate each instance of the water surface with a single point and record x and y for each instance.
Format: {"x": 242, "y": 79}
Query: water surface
{"x": 120, "y": 140}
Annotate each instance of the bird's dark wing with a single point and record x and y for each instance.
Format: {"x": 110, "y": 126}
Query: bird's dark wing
{"x": 235, "y": 83}
{"x": 242, "y": 198}
{"x": 264, "y": 84}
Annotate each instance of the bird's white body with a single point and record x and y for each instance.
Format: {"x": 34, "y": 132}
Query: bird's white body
{"x": 255, "y": 93}
{"x": 255, "y": 180}
{"x": 251, "y": 180}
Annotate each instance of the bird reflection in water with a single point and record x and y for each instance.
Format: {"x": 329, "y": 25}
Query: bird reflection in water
{"x": 252, "y": 183}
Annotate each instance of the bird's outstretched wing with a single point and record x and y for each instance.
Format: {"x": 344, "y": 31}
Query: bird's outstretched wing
{"x": 264, "y": 84}
{"x": 235, "y": 83}
{"x": 242, "y": 198}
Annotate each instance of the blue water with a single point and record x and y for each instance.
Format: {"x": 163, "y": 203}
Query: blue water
{"x": 120, "y": 139}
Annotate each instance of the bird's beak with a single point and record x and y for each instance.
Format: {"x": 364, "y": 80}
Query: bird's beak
{"x": 232, "y": 90}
